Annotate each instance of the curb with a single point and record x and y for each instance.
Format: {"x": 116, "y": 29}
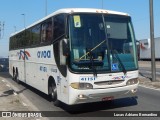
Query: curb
{"x": 146, "y": 82}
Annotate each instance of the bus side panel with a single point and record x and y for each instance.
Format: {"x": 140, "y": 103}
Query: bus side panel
{"x": 11, "y": 62}
{"x": 39, "y": 67}
{"x": 32, "y": 70}
{"x": 16, "y": 62}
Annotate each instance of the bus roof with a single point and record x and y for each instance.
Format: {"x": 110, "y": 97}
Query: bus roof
{"x": 73, "y": 10}
{"x": 87, "y": 10}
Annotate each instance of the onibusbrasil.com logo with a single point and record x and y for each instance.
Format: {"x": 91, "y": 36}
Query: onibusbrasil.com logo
{"x": 21, "y": 114}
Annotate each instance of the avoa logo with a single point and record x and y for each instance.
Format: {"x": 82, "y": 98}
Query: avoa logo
{"x": 44, "y": 54}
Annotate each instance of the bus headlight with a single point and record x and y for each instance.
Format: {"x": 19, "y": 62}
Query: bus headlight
{"x": 132, "y": 81}
{"x": 81, "y": 86}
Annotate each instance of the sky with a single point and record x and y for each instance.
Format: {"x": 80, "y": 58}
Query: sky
{"x": 11, "y": 14}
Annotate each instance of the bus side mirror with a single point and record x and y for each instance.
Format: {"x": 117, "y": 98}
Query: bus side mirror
{"x": 137, "y": 43}
{"x": 65, "y": 47}
{"x": 64, "y": 51}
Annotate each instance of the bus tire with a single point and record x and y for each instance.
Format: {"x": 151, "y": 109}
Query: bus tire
{"x": 53, "y": 94}
{"x": 17, "y": 77}
{"x": 14, "y": 74}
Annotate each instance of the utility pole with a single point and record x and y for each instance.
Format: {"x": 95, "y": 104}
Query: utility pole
{"x": 152, "y": 41}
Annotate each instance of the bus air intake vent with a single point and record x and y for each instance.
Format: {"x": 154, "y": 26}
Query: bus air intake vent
{"x": 111, "y": 82}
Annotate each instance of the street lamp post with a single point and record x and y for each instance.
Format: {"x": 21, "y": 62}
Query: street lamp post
{"x": 24, "y": 17}
{"x": 24, "y": 47}
{"x": 152, "y": 41}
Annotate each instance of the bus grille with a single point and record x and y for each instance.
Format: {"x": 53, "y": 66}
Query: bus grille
{"x": 111, "y": 82}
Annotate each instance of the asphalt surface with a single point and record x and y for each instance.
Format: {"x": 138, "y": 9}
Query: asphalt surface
{"x": 21, "y": 97}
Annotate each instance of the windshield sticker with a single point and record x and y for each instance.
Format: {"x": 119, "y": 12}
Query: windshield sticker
{"x": 77, "y": 21}
{"x": 114, "y": 66}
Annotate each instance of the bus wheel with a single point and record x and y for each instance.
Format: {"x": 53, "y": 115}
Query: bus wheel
{"x": 14, "y": 74}
{"x": 17, "y": 77}
{"x": 53, "y": 93}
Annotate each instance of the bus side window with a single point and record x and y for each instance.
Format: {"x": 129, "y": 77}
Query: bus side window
{"x": 46, "y": 31}
{"x": 36, "y": 34}
{"x": 49, "y": 31}
{"x": 23, "y": 39}
{"x": 11, "y": 43}
{"x": 28, "y": 37}
{"x": 43, "y": 33}
{"x": 18, "y": 41}
{"x": 14, "y": 43}
{"x": 59, "y": 26}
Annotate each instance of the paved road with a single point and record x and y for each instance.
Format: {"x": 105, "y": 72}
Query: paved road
{"x": 146, "y": 72}
{"x": 148, "y": 100}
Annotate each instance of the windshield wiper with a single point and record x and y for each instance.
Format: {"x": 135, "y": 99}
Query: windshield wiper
{"x": 116, "y": 55}
{"x": 91, "y": 50}
{"x": 92, "y": 62}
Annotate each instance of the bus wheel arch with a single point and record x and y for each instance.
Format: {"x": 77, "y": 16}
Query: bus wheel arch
{"x": 52, "y": 91}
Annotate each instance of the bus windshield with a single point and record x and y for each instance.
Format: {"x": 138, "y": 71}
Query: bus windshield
{"x": 103, "y": 43}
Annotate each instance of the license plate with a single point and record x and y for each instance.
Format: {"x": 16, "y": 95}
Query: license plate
{"x": 108, "y": 98}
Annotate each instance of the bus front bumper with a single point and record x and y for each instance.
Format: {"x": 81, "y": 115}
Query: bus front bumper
{"x": 96, "y": 95}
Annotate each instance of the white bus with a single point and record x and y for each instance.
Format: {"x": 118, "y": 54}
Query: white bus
{"x": 77, "y": 55}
